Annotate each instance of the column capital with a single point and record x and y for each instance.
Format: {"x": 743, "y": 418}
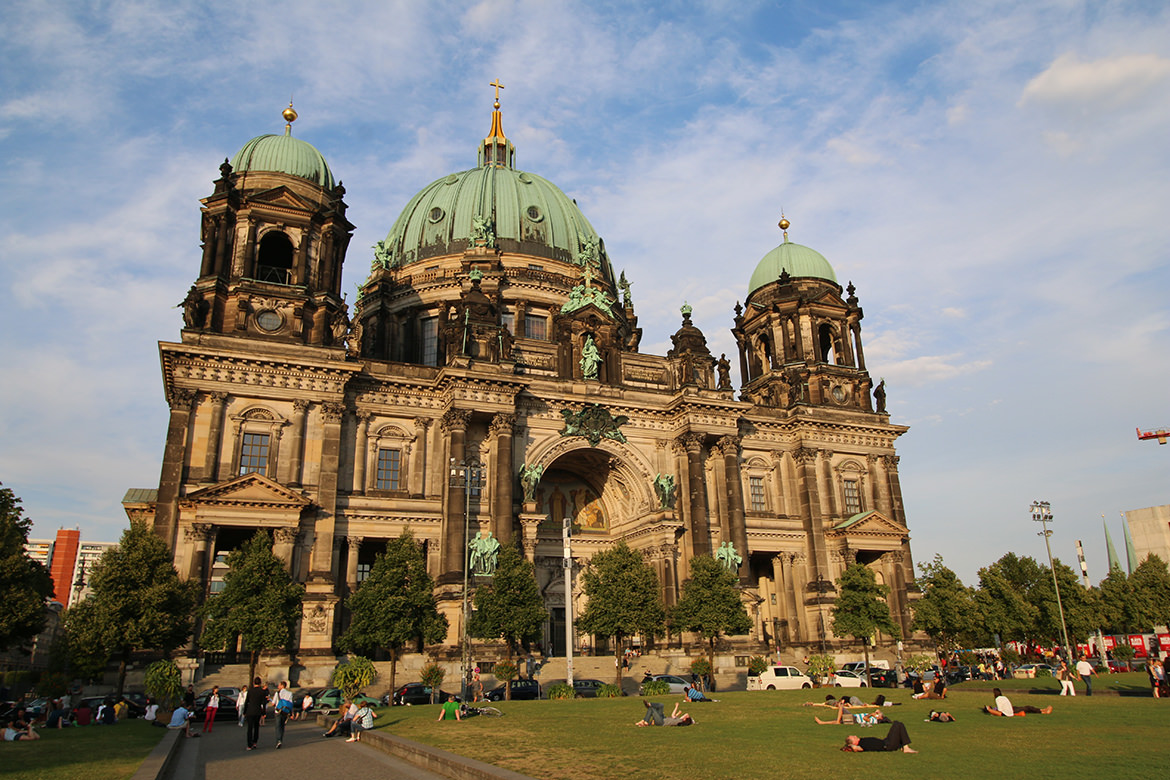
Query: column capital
{"x": 804, "y": 455}
{"x": 692, "y": 442}
{"x": 730, "y": 444}
{"x": 354, "y": 541}
{"x": 284, "y": 535}
{"x": 455, "y": 419}
{"x": 503, "y": 424}
{"x": 181, "y": 399}
{"x": 331, "y": 411}
{"x": 198, "y": 532}
{"x": 300, "y": 405}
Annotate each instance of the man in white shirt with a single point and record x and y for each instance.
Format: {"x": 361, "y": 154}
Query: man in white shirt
{"x": 1087, "y": 673}
{"x": 282, "y": 707}
{"x": 1003, "y": 707}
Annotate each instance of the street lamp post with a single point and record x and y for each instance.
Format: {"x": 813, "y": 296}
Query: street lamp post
{"x": 1042, "y": 513}
{"x": 567, "y": 533}
{"x": 468, "y": 477}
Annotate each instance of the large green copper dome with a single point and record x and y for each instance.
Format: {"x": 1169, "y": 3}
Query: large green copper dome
{"x": 797, "y": 260}
{"x": 283, "y": 154}
{"x": 523, "y": 213}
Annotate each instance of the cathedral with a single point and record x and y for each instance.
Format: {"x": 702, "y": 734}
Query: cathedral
{"x": 487, "y": 384}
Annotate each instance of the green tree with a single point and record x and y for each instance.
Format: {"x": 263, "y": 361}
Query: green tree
{"x": 861, "y": 609}
{"x": 710, "y": 604}
{"x": 259, "y": 602}
{"x": 1004, "y": 598}
{"x": 395, "y": 605}
{"x": 355, "y": 674}
{"x": 623, "y": 596}
{"x": 947, "y": 611}
{"x": 1082, "y": 607}
{"x": 1150, "y": 583}
{"x": 25, "y": 584}
{"x": 138, "y": 603}
{"x": 164, "y": 682}
{"x": 1117, "y": 602}
{"x": 510, "y": 606}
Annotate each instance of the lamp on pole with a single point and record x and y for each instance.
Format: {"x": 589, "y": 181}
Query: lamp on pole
{"x": 1042, "y": 513}
{"x": 468, "y": 477}
{"x": 567, "y": 533}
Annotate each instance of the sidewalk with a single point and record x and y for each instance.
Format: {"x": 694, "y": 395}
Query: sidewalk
{"x": 222, "y": 755}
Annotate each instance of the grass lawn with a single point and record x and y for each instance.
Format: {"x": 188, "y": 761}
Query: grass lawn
{"x": 88, "y": 753}
{"x": 768, "y": 734}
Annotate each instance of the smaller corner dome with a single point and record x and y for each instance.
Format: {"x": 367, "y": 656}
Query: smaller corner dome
{"x": 283, "y": 154}
{"x": 798, "y": 260}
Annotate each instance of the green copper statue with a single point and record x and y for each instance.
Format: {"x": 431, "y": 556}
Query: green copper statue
{"x": 590, "y": 359}
{"x": 664, "y": 488}
{"x": 485, "y": 551}
{"x": 529, "y": 479}
{"x": 727, "y": 555}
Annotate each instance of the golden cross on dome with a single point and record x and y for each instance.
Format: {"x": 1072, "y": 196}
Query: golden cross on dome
{"x": 498, "y": 87}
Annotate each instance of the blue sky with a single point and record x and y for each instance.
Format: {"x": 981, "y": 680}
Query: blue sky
{"x": 993, "y": 176}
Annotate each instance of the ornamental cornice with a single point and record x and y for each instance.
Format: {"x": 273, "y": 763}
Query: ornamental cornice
{"x": 290, "y": 376}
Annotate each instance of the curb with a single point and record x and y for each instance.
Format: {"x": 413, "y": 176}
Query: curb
{"x": 158, "y": 762}
{"x": 432, "y": 759}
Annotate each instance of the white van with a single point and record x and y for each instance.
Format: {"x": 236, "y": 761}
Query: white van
{"x": 779, "y": 678}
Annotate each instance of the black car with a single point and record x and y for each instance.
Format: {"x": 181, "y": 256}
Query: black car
{"x": 521, "y": 689}
{"x": 587, "y": 689}
{"x": 417, "y": 693}
{"x": 227, "y": 705}
{"x": 883, "y": 678}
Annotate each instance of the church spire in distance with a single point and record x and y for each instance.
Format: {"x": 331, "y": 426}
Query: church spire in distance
{"x": 497, "y": 150}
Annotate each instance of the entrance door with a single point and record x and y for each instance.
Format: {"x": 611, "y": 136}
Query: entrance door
{"x": 556, "y": 637}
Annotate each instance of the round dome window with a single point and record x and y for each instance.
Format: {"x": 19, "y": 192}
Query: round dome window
{"x": 534, "y": 214}
{"x": 436, "y": 214}
{"x": 269, "y": 321}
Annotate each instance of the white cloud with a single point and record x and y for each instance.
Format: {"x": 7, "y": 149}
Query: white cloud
{"x": 1107, "y": 84}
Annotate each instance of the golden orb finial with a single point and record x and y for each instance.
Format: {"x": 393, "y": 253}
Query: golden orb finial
{"x": 783, "y": 223}
{"x": 290, "y": 116}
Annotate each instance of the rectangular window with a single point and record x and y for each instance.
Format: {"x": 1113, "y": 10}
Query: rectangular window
{"x": 389, "y": 470}
{"x": 254, "y": 453}
{"x": 756, "y": 492}
{"x": 534, "y": 326}
{"x": 363, "y": 571}
{"x": 852, "y": 497}
{"x": 509, "y": 321}
{"x": 430, "y": 341}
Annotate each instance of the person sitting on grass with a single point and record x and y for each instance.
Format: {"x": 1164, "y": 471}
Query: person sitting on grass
{"x": 18, "y": 731}
{"x": 450, "y": 710}
{"x": 691, "y": 693}
{"x": 655, "y": 716}
{"x": 939, "y": 689}
{"x": 343, "y": 724}
{"x": 181, "y": 719}
{"x": 896, "y": 739}
{"x": 845, "y": 716}
{"x": 1003, "y": 707}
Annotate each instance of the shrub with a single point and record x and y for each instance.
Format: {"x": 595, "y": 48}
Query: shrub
{"x": 756, "y": 665}
{"x": 701, "y": 667}
{"x": 53, "y": 684}
{"x": 504, "y": 671}
{"x": 656, "y": 688}
{"x": 432, "y": 676}
{"x": 353, "y": 675}
{"x": 562, "y": 691}
{"x": 164, "y": 682}
{"x": 918, "y": 663}
{"x": 609, "y": 691}
{"x": 1009, "y": 656}
{"x": 821, "y": 666}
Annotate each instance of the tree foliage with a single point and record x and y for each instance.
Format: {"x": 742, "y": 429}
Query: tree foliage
{"x": 259, "y": 602}
{"x": 710, "y": 604}
{"x": 861, "y": 609}
{"x": 353, "y": 675}
{"x": 947, "y": 611}
{"x": 25, "y": 584}
{"x": 164, "y": 682}
{"x": 395, "y": 605}
{"x": 509, "y": 607}
{"x": 138, "y": 603}
{"x": 1004, "y": 598}
{"x": 1136, "y": 602}
{"x": 623, "y": 598}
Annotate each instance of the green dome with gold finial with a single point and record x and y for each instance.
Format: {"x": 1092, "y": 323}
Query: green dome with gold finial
{"x": 284, "y": 154}
{"x": 798, "y": 260}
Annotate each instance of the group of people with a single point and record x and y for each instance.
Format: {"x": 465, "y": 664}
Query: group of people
{"x": 353, "y": 719}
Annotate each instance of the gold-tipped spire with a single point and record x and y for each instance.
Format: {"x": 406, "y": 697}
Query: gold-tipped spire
{"x": 784, "y": 223}
{"x": 497, "y": 130}
{"x": 290, "y": 116}
{"x": 496, "y": 149}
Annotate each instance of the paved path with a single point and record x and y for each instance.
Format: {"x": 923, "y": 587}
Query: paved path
{"x": 222, "y": 755}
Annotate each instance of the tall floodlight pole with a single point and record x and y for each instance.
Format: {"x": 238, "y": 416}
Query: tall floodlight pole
{"x": 568, "y": 535}
{"x": 1042, "y": 513}
{"x": 468, "y": 477}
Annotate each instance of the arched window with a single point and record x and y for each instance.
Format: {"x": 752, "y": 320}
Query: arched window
{"x": 274, "y": 259}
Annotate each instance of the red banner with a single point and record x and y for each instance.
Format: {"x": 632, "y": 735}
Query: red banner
{"x": 1109, "y": 643}
{"x": 1164, "y": 642}
{"x": 1138, "y": 643}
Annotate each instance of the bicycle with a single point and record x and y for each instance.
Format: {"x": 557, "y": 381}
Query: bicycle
{"x": 471, "y": 712}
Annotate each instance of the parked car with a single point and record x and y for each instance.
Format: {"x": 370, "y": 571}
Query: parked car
{"x": 417, "y": 693}
{"x": 521, "y": 690}
{"x": 958, "y": 674}
{"x": 675, "y": 682}
{"x": 299, "y": 698}
{"x": 843, "y": 678}
{"x": 883, "y": 678}
{"x": 779, "y": 678}
{"x": 587, "y": 689}
{"x": 331, "y": 699}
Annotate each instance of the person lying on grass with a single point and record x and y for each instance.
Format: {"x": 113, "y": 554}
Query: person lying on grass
{"x": 844, "y": 716}
{"x": 691, "y": 693}
{"x": 654, "y": 716}
{"x": 896, "y": 739}
{"x": 1003, "y": 707}
{"x": 848, "y": 701}
{"x": 941, "y": 717}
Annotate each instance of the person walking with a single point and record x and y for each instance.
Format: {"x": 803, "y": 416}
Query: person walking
{"x": 1065, "y": 675}
{"x": 210, "y": 710}
{"x": 282, "y": 707}
{"x": 254, "y": 708}
{"x": 1087, "y": 673}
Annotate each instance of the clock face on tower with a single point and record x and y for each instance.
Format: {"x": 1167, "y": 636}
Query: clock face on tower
{"x": 269, "y": 321}
{"x": 838, "y": 394}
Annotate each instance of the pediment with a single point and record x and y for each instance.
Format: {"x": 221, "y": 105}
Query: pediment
{"x": 869, "y": 524}
{"x": 249, "y": 490}
{"x": 281, "y": 196}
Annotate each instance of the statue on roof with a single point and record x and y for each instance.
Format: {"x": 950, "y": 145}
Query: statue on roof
{"x": 590, "y": 359}
{"x": 529, "y": 479}
{"x": 664, "y": 489}
{"x": 879, "y": 397}
{"x": 482, "y": 232}
{"x": 724, "y": 366}
{"x": 727, "y": 556}
{"x": 624, "y": 286}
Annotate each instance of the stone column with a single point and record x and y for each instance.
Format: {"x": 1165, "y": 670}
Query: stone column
{"x": 297, "y": 443}
{"x": 197, "y": 535}
{"x": 166, "y": 513}
{"x": 354, "y": 544}
{"x": 730, "y": 445}
{"x": 283, "y": 540}
{"x": 223, "y": 264}
{"x": 418, "y": 470}
{"x": 250, "y": 251}
{"x": 798, "y": 578}
{"x": 895, "y": 487}
{"x": 856, "y": 328}
{"x": 216, "y": 403}
{"x": 361, "y": 453}
{"x": 529, "y": 524}
{"x": 454, "y": 424}
{"x": 783, "y": 614}
{"x": 829, "y": 500}
{"x": 697, "y": 485}
{"x": 502, "y": 426}
{"x": 810, "y": 510}
{"x": 322, "y": 561}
